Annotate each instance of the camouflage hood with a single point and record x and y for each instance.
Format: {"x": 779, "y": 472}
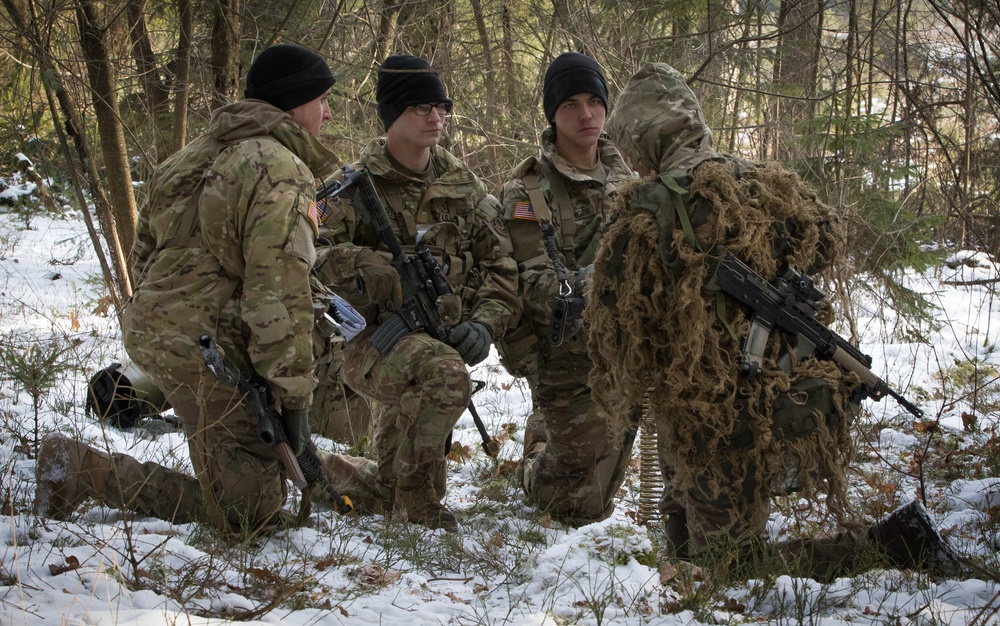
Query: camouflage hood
{"x": 657, "y": 121}
{"x": 247, "y": 119}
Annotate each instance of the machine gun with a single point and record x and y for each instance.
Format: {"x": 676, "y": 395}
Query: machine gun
{"x": 303, "y": 470}
{"x": 420, "y": 276}
{"x": 790, "y": 303}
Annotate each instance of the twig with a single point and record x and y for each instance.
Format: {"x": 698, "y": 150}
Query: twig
{"x": 969, "y": 283}
{"x": 273, "y": 604}
{"x": 990, "y": 610}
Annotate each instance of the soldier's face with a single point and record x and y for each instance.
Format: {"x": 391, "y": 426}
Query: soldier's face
{"x": 579, "y": 120}
{"x": 313, "y": 114}
{"x": 412, "y": 131}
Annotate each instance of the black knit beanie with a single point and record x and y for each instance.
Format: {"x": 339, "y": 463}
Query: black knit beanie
{"x": 287, "y": 76}
{"x": 405, "y": 81}
{"x": 569, "y": 74}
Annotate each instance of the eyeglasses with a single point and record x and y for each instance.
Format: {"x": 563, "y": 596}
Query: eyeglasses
{"x": 423, "y": 110}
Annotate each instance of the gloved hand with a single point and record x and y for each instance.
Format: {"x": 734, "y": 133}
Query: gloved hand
{"x": 472, "y": 340}
{"x": 296, "y": 424}
{"x": 377, "y": 278}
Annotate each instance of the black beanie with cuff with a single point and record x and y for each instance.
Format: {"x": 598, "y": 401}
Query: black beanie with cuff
{"x": 569, "y": 74}
{"x": 287, "y": 76}
{"x": 405, "y": 81}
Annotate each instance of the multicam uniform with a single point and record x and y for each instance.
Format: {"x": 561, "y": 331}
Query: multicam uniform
{"x": 422, "y": 385}
{"x": 571, "y": 466}
{"x": 225, "y": 246}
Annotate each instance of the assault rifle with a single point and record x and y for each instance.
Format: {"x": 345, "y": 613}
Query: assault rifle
{"x": 790, "y": 303}
{"x": 303, "y": 470}
{"x": 420, "y": 276}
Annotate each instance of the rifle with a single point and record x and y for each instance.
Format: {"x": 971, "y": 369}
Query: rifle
{"x": 790, "y": 303}
{"x": 303, "y": 470}
{"x": 420, "y": 276}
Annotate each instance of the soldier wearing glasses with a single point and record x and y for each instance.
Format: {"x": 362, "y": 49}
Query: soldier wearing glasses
{"x": 421, "y": 386}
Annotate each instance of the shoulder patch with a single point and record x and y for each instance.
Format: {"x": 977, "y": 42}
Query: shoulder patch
{"x": 524, "y": 211}
{"x": 314, "y": 213}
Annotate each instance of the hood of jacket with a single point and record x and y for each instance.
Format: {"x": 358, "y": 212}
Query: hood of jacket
{"x": 657, "y": 122}
{"x": 250, "y": 118}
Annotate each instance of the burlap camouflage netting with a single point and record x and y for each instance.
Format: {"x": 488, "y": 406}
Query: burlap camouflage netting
{"x": 658, "y": 329}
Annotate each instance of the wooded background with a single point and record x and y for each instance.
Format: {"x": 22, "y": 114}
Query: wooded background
{"x": 889, "y": 108}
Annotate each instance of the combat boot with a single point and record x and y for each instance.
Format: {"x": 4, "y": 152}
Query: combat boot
{"x": 416, "y": 496}
{"x": 67, "y": 472}
{"x": 678, "y": 538}
{"x": 908, "y": 540}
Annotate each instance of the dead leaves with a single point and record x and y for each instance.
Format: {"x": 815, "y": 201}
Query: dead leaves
{"x": 459, "y": 452}
{"x": 375, "y": 575}
{"x": 927, "y": 427}
{"x": 970, "y": 423}
{"x": 72, "y": 564}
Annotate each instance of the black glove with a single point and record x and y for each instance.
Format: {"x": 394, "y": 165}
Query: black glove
{"x": 377, "y": 278}
{"x": 296, "y": 424}
{"x": 472, "y": 340}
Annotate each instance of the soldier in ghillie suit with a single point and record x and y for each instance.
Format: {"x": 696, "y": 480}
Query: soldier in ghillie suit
{"x": 225, "y": 246}
{"x": 727, "y": 443}
{"x": 421, "y": 383}
{"x": 572, "y": 467}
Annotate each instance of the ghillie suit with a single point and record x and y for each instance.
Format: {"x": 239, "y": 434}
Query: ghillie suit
{"x": 727, "y": 443}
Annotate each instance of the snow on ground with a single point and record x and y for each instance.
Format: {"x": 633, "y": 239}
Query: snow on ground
{"x": 507, "y": 564}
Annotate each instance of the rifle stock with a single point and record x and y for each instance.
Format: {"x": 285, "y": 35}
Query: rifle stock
{"x": 790, "y": 304}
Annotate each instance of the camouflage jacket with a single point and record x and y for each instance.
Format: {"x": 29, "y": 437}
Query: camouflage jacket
{"x": 454, "y": 217}
{"x": 565, "y": 189}
{"x": 225, "y": 245}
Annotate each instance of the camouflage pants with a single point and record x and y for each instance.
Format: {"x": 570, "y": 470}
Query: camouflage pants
{"x": 422, "y": 388}
{"x": 571, "y": 467}
{"x": 339, "y": 413}
{"x": 239, "y": 486}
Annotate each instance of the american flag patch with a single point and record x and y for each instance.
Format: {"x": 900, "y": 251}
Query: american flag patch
{"x": 319, "y": 211}
{"x": 524, "y": 211}
{"x": 314, "y": 213}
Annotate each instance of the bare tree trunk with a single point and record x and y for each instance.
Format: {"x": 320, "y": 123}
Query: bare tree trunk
{"x": 509, "y": 79}
{"x": 491, "y": 80}
{"x": 385, "y": 38}
{"x": 226, "y": 27}
{"x": 182, "y": 77}
{"x": 116, "y": 297}
{"x": 967, "y": 181}
{"x": 112, "y": 136}
{"x": 800, "y": 25}
{"x": 28, "y": 28}
{"x": 564, "y": 14}
{"x": 153, "y": 85}
{"x": 849, "y": 88}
